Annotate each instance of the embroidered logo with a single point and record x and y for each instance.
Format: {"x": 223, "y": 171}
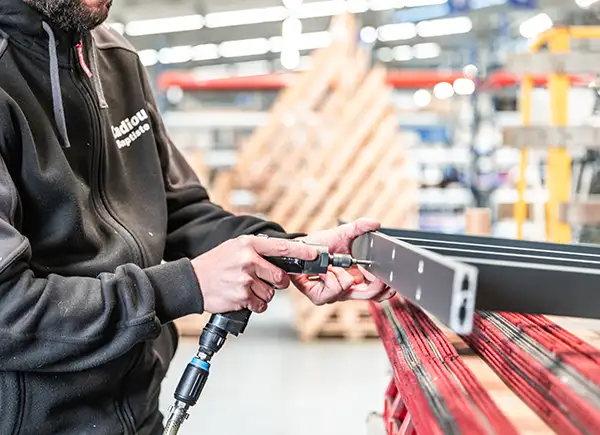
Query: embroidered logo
{"x": 130, "y": 129}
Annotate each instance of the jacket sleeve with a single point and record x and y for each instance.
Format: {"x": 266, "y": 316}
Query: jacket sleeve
{"x": 58, "y": 323}
{"x": 195, "y": 224}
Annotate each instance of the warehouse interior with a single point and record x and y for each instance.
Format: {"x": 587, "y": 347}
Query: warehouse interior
{"x": 411, "y": 112}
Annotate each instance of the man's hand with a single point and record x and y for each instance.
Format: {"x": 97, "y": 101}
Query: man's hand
{"x": 342, "y": 284}
{"x": 234, "y": 275}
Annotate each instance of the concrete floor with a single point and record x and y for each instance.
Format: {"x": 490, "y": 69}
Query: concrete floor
{"x": 266, "y": 382}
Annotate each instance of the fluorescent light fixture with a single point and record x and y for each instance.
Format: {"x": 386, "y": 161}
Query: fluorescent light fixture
{"x": 444, "y": 26}
{"x": 535, "y": 25}
{"x": 443, "y": 91}
{"x": 384, "y": 5}
{"x": 403, "y": 53}
{"x": 357, "y": 6}
{"x": 205, "y": 52}
{"x": 385, "y": 54}
{"x": 244, "y": 47}
{"x": 422, "y": 98}
{"x": 418, "y": 3}
{"x": 306, "y": 41}
{"x": 464, "y": 86}
{"x": 148, "y": 57}
{"x": 252, "y": 68}
{"x": 164, "y": 25}
{"x": 321, "y": 9}
{"x": 585, "y": 4}
{"x": 290, "y": 59}
{"x": 292, "y": 4}
{"x": 427, "y": 50}
{"x": 246, "y": 16}
{"x": 396, "y": 32}
{"x": 368, "y": 35}
{"x": 177, "y": 54}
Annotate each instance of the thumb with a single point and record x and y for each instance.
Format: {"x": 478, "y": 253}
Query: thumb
{"x": 360, "y": 226}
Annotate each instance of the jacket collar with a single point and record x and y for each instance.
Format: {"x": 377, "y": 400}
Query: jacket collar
{"x": 24, "y": 23}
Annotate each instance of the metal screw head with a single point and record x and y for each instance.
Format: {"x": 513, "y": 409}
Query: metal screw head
{"x": 421, "y": 266}
{"x": 418, "y": 294}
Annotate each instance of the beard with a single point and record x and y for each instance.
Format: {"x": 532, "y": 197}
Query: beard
{"x": 73, "y": 15}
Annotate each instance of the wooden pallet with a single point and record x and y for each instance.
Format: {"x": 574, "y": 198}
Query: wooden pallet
{"x": 349, "y": 320}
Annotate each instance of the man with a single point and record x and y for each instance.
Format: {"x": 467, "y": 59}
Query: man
{"x": 93, "y": 197}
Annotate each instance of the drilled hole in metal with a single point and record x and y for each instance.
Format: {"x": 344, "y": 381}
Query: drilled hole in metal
{"x": 462, "y": 313}
{"x": 391, "y": 276}
{"x": 465, "y": 284}
{"x": 371, "y": 243}
{"x": 418, "y": 294}
{"x": 393, "y": 253}
{"x": 421, "y": 266}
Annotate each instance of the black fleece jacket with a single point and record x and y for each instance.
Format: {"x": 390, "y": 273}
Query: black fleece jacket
{"x": 93, "y": 197}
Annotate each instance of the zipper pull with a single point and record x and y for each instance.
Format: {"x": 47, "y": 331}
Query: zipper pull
{"x": 82, "y": 61}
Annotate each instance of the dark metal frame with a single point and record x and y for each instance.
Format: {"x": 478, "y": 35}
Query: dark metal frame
{"x": 521, "y": 276}
{"x": 440, "y": 285}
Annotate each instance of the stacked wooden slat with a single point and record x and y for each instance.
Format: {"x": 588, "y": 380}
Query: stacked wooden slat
{"x": 331, "y": 151}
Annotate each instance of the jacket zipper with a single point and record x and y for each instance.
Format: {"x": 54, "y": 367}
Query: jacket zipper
{"x": 101, "y": 204}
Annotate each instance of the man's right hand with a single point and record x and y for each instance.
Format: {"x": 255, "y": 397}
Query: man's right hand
{"x": 234, "y": 275}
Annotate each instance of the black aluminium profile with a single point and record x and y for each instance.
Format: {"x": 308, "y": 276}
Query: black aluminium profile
{"x": 522, "y": 276}
{"x": 442, "y": 286}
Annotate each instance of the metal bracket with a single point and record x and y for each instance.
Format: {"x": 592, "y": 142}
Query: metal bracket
{"x": 576, "y": 62}
{"x": 549, "y": 137}
{"x": 444, "y": 287}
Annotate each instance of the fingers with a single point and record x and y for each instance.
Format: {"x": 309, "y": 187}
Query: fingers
{"x": 281, "y": 248}
{"x": 271, "y": 274}
{"x": 256, "y": 304}
{"x": 262, "y": 290}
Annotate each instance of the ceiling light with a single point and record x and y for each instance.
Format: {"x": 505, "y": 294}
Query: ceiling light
{"x": 205, "y": 52}
{"x": 443, "y": 90}
{"x": 385, "y": 54}
{"x": 314, "y": 40}
{"x": 444, "y": 26}
{"x": 464, "y": 86}
{"x": 585, "y": 4}
{"x": 148, "y": 57}
{"x": 291, "y": 28}
{"x": 178, "y": 54}
{"x": 244, "y": 47}
{"x": 422, "y": 98}
{"x": 164, "y": 25}
{"x": 290, "y": 59}
{"x": 427, "y": 50}
{"x": 384, "y": 5}
{"x": 535, "y": 25}
{"x": 403, "y": 53}
{"x": 368, "y": 34}
{"x": 357, "y": 6}
{"x": 321, "y": 9}
{"x": 417, "y": 3}
{"x": 246, "y": 16}
{"x": 396, "y": 32}
{"x": 292, "y": 4}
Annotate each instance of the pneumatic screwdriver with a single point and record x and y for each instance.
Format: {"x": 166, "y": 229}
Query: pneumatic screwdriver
{"x": 220, "y": 326}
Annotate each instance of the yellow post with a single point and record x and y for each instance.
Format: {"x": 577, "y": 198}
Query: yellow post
{"x": 520, "y": 206}
{"x": 559, "y": 161}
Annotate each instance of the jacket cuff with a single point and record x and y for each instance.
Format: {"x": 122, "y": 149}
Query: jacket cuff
{"x": 176, "y": 289}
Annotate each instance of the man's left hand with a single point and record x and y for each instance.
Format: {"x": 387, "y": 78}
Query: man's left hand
{"x": 340, "y": 284}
